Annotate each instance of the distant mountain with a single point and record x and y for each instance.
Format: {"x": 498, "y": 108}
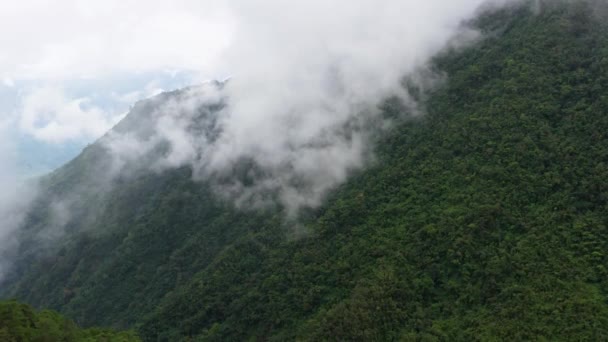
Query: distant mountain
{"x": 38, "y": 158}
{"x": 484, "y": 219}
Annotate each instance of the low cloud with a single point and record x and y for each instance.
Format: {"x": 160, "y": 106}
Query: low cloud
{"x": 16, "y": 196}
{"x": 48, "y": 115}
{"x": 308, "y": 80}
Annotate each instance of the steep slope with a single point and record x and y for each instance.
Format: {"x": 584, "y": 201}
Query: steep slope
{"x": 484, "y": 219}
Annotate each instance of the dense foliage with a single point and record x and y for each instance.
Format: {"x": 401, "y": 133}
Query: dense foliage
{"x": 484, "y": 219}
{"x": 20, "y": 323}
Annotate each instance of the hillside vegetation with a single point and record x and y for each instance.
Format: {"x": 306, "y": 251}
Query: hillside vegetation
{"x": 21, "y": 323}
{"x": 484, "y": 219}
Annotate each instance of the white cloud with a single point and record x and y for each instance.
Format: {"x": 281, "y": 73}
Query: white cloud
{"x": 308, "y": 76}
{"x": 69, "y": 39}
{"x": 48, "y": 115}
{"x": 8, "y": 82}
{"x": 53, "y": 43}
{"x": 15, "y": 196}
{"x": 151, "y": 89}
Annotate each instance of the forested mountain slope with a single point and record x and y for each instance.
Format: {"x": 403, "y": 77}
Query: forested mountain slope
{"x": 485, "y": 218}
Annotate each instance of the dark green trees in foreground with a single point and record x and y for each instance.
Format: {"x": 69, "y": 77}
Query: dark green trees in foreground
{"x": 485, "y": 219}
{"x": 20, "y": 323}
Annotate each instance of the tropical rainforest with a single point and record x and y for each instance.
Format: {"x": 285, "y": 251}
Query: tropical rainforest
{"x": 484, "y": 218}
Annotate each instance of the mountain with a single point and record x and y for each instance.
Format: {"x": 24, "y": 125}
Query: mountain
{"x": 37, "y": 158}
{"x": 483, "y": 219}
